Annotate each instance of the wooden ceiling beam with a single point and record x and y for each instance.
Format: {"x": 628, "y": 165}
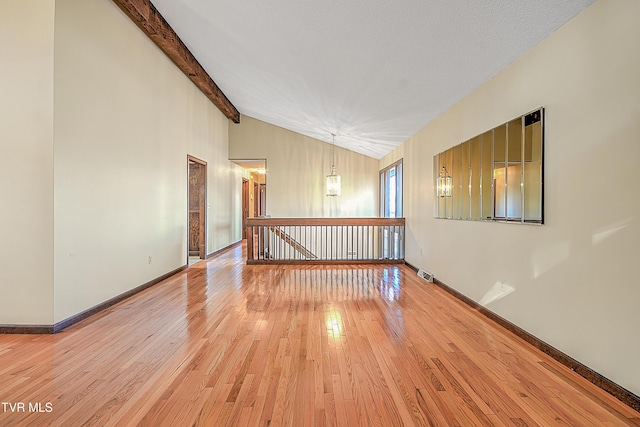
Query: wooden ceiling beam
{"x": 144, "y": 14}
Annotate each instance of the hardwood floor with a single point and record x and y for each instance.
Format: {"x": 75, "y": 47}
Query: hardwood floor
{"x": 223, "y": 343}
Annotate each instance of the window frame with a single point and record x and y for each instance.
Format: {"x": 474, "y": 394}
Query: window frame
{"x": 383, "y": 181}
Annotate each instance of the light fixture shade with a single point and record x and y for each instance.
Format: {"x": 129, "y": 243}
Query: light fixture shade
{"x": 333, "y": 184}
{"x": 445, "y": 183}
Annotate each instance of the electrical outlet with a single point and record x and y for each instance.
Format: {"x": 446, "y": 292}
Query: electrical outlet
{"x": 149, "y": 260}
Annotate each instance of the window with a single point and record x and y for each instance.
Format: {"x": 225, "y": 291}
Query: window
{"x": 391, "y": 191}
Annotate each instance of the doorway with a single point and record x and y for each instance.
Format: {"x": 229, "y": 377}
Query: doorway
{"x": 197, "y": 210}
{"x": 260, "y": 199}
{"x": 254, "y": 190}
{"x": 245, "y": 206}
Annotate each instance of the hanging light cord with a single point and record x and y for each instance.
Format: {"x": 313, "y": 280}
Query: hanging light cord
{"x": 333, "y": 154}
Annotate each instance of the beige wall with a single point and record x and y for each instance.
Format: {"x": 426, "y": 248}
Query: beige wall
{"x": 296, "y": 169}
{"x": 125, "y": 120}
{"x": 575, "y": 277}
{"x": 26, "y": 162}
{"x": 107, "y": 173}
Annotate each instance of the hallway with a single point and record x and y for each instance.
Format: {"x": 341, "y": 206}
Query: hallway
{"x": 223, "y": 343}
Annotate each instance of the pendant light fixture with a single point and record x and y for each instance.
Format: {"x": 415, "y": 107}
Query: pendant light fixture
{"x": 445, "y": 183}
{"x": 333, "y": 180}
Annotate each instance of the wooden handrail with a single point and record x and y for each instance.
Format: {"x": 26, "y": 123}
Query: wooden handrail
{"x": 258, "y": 222}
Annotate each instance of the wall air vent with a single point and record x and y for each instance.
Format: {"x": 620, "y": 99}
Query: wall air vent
{"x": 424, "y": 274}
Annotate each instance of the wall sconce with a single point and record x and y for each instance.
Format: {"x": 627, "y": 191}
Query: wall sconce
{"x": 445, "y": 183}
{"x": 333, "y": 180}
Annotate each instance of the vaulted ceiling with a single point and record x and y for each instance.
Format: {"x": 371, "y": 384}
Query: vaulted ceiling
{"x": 372, "y": 72}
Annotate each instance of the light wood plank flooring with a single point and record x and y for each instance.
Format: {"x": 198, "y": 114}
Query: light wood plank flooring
{"x": 228, "y": 344}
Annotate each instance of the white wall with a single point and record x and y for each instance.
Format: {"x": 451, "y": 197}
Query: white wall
{"x": 26, "y": 162}
{"x": 125, "y": 120}
{"x": 296, "y": 169}
{"x": 575, "y": 277}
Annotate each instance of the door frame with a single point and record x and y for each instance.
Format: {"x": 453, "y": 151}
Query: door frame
{"x": 383, "y": 208}
{"x": 259, "y": 199}
{"x": 245, "y": 206}
{"x": 389, "y": 238}
{"x": 202, "y": 249}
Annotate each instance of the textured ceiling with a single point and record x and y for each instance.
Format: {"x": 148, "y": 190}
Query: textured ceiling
{"x": 372, "y": 72}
